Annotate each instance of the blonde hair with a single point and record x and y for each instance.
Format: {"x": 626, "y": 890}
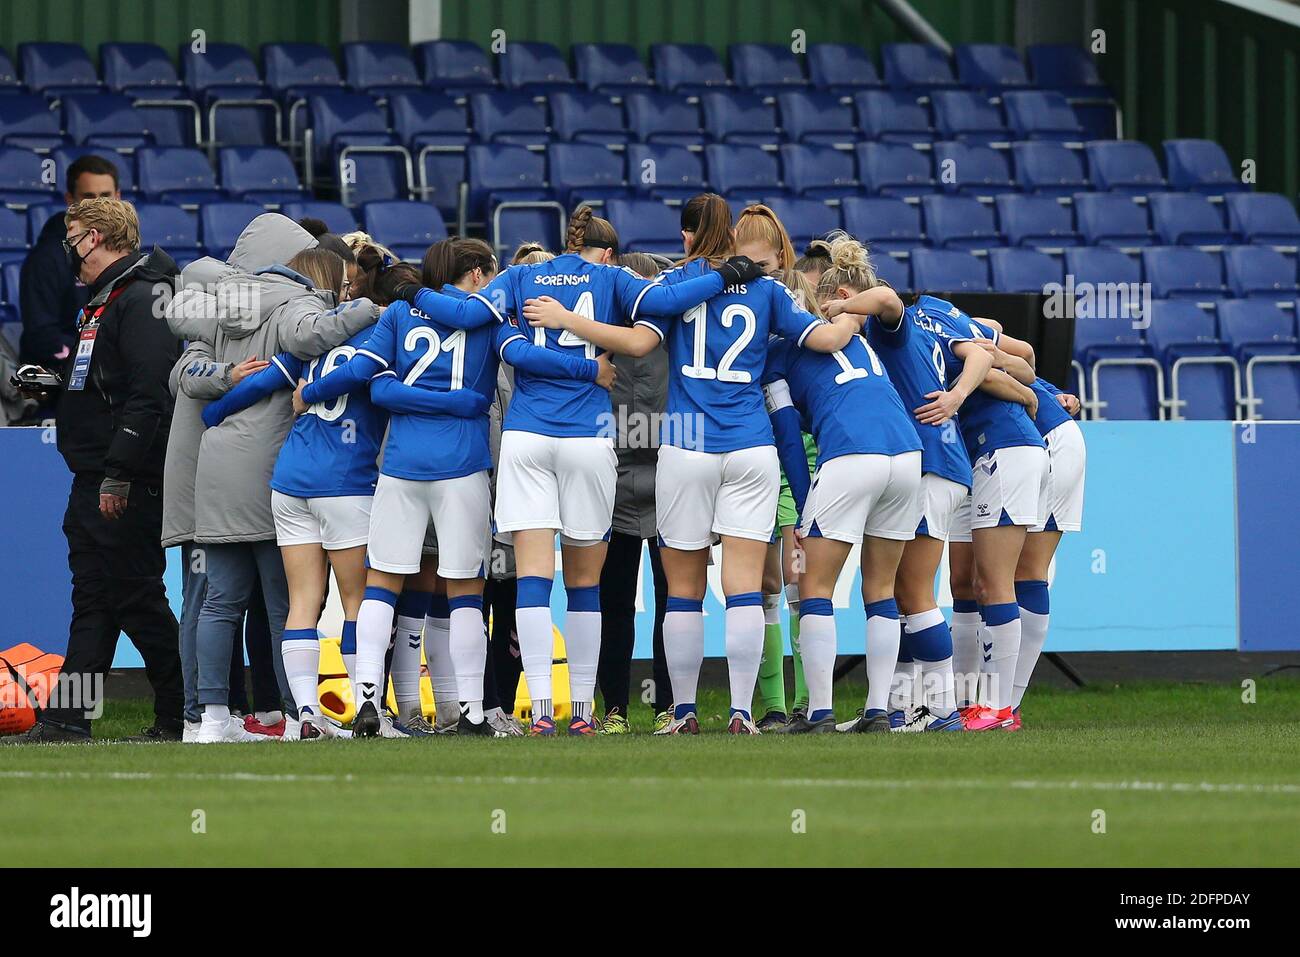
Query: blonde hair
{"x": 114, "y": 219}
{"x": 534, "y": 257}
{"x": 323, "y": 267}
{"x": 850, "y": 266}
{"x": 359, "y": 238}
{"x": 760, "y": 224}
{"x": 805, "y": 293}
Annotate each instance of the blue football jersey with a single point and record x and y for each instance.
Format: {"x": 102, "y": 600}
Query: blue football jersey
{"x": 986, "y": 423}
{"x": 333, "y": 447}
{"x": 917, "y": 362}
{"x": 1050, "y": 412}
{"x": 717, "y": 352}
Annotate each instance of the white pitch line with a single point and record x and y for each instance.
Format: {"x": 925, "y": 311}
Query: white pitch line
{"x": 1173, "y": 787}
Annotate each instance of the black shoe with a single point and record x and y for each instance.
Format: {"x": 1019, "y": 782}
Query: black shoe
{"x": 874, "y": 724}
{"x": 154, "y": 734}
{"x": 484, "y": 730}
{"x": 366, "y": 724}
{"x": 772, "y": 721}
{"x": 800, "y": 724}
{"x": 47, "y": 732}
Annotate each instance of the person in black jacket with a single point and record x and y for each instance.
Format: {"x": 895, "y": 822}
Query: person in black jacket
{"x": 114, "y": 412}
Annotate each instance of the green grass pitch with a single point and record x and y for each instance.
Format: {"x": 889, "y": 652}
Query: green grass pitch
{"x": 1141, "y": 775}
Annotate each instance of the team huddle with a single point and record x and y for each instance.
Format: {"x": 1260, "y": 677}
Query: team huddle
{"x": 808, "y": 411}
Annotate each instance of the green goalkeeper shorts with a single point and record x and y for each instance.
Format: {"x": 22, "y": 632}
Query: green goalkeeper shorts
{"x": 786, "y": 513}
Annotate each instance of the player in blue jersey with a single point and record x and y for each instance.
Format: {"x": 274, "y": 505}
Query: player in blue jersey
{"x": 717, "y": 473}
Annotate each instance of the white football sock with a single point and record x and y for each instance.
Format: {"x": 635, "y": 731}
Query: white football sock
{"x": 817, "y": 645}
{"x": 966, "y": 654}
{"x": 684, "y": 647}
{"x": 884, "y": 633}
{"x": 405, "y": 668}
{"x": 374, "y": 629}
{"x": 1033, "y": 635}
{"x": 1002, "y": 633}
{"x": 469, "y": 654}
{"x": 536, "y": 640}
{"x": 300, "y": 650}
{"x": 582, "y": 644}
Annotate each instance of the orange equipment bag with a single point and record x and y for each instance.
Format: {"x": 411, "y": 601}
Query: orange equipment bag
{"x": 26, "y": 675}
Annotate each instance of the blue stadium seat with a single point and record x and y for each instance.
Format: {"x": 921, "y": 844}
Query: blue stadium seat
{"x": 841, "y": 68}
{"x": 687, "y": 68}
{"x": 379, "y": 68}
{"x": 174, "y": 229}
{"x": 893, "y": 117}
{"x": 40, "y": 214}
{"x": 973, "y": 169}
{"x": 805, "y": 219}
{"x": 221, "y": 223}
{"x": 1066, "y": 68}
{"x": 585, "y": 117}
{"x": 9, "y": 82}
{"x": 1049, "y": 168}
{"x": 663, "y": 118}
{"x": 176, "y": 175}
{"x": 57, "y": 68}
{"x": 139, "y": 69}
{"x": 1264, "y": 218}
{"x": 509, "y": 117}
{"x": 1258, "y": 272}
{"x": 892, "y": 169}
{"x": 343, "y": 121}
{"x": 1187, "y": 219}
{"x": 259, "y": 174}
{"x": 1126, "y": 380}
{"x": 13, "y": 235}
{"x": 336, "y": 216}
{"x": 1181, "y": 273}
{"x": 896, "y": 272}
{"x": 454, "y": 66}
{"x": 819, "y": 172}
{"x": 504, "y": 173}
{"x": 664, "y": 172}
{"x": 612, "y": 69}
{"x": 407, "y": 228}
{"x": 989, "y": 66}
{"x": 1035, "y": 221}
{"x": 1124, "y": 166}
{"x": 1102, "y": 266}
{"x": 1024, "y": 270}
{"x": 295, "y": 70}
{"x": 534, "y": 67}
{"x": 22, "y": 178}
{"x": 224, "y": 69}
{"x": 646, "y": 225}
{"x": 104, "y": 119}
{"x": 948, "y": 270}
{"x": 435, "y": 128}
{"x": 916, "y": 66}
{"x": 585, "y": 172}
{"x": 967, "y": 116}
{"x": 67, "y": 155}
{"x": 27, "y": 121}
{"x": 1041, "y": 115}
{"x": 743, "y": 173}
{"x": 1259, "y": 335}
{"x": 1112, "y": 219}
{"x": 885, "y": 222}
{"x": 765, "y": 68}
{"x": 739, "y": 117}
{"x": 959, "y": 222}
{"x": 11, "y": 326}
{"x": 809, "y": 116}
{"x": 1201, "y": 166}
{"x": 1203, "y": 380}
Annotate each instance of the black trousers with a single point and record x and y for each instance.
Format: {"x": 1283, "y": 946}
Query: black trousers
{"x": 117, "y": 586}
{"x": 618, "y": 623}
{"x": 504, "y": 663}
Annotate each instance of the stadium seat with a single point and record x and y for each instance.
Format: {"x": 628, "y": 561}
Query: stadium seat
{"x": 612, "y": 69}
{"x": 664, "y": 172}
{"x": 345, "y": 122}
{"x": 1024, "y": 270}
{"x": 947, "y": 270}
{"x": 435, "y": 128}
{"x": 1125, "y": 382}
{"x": 585, "y": 117}
{"x": 1201, "y": 166}
{"x": 174, "y": 229}
{"x": 407, "y": 228}
{"x": 892, "y": 169}
{"x": 13, "y": 235}
{"x": 810, "y": 116}
{"x": 54, "y": 69}
{"x": 742, "y": 173}
{"x": 1263, "y": 339}
{"x": 104, "y": 119}
{"x": 509, "y": 117}
{"x": 23, "y": 179}
{"x": 992, "y": 67}
{"x": 970, "y": 117}
{"x": 27, "y": 121}
{"x": 663, "y": 118}
{"x": 805, "y": 219}
{"x": 1035, "y": 221}
{"x": 505, "y": 173}
{"x": 175, "y": 175}
{"x": 585, "y": 172}
{"x": 221, "y": 223}
{"x": 259, "y": 174}
{"x": 1097, "y": 266}
{"x": 1112, "y": 219}
{"x": 819, "y": 172}
{"x": 841, "y": 68}
{"x": 9, "y": 82}
{"x": 454, "y": 66}
{"x": 11, "y": 326}
{"x": 1041, "y": 115}
{"x": 1204, "y": 382}
{"x": 139, "y": 69}
{"x": 893, "y": 117}
{"x": 765, "y": 68}
{"x": 739, "y": 117}
{"x": 896, "y": 272}
{"x": 223, "y": 69}
{"x": 1264, "y": 218}
{"x": 916, "y": 66}
{"x": 1187, "y": 219}
{"x": 887, "y": 223}
{"x": 1049, "y": 168}
{"x": 645, "y": 225}
{"x": 687, "y": 68}
{"x": 39, "y": 214}
{"x": 336, "y": 216}
{"x": 533, "y": 67}
{"x": 1124, "y": 166}
{"x": 973, "y": 169}
{"x": 1066, "y": 68}
{"x": 1258, "y": 272}
{"x": 959, "y": 222}
{"x": 379, "y": 68}
{"x": 297, "y": 70}
{"x": 1182, "y": 273}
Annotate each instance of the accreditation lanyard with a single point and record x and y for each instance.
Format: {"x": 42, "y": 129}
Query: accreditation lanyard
{"x": 87, "y": 330}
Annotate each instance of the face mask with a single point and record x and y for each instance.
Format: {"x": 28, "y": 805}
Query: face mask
{"x": 75, "y": 259}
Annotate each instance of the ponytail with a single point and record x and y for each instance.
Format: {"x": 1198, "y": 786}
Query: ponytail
{"x": 760, "y": 224}
{"x": 850, "y": 266}
{"x": 588, "y": 231}
{"x": 707, "y": 217}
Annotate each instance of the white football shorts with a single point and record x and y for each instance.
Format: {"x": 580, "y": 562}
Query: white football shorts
{"x": 940, "y": 500}
{"x": 702, "y": 494}
{"x": 459, "y": 509}
{"x": 1008, "y": 487}
{"x": 856, "y": 495}
{"x": 566, "y": 483}
{"x": 1067, "y": 459}
{"x": 333, "y": 522}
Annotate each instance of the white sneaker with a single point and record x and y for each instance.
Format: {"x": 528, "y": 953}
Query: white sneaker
{"x": 292, "y": 729}
{"x": 191, "y": 732}
{"x": 230, "y": 731}
{"x": 446, "y": 719}
{"x": 505, "y": 724}
{"x": 846, "y": 726}
{"x": 916, "y": 720}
